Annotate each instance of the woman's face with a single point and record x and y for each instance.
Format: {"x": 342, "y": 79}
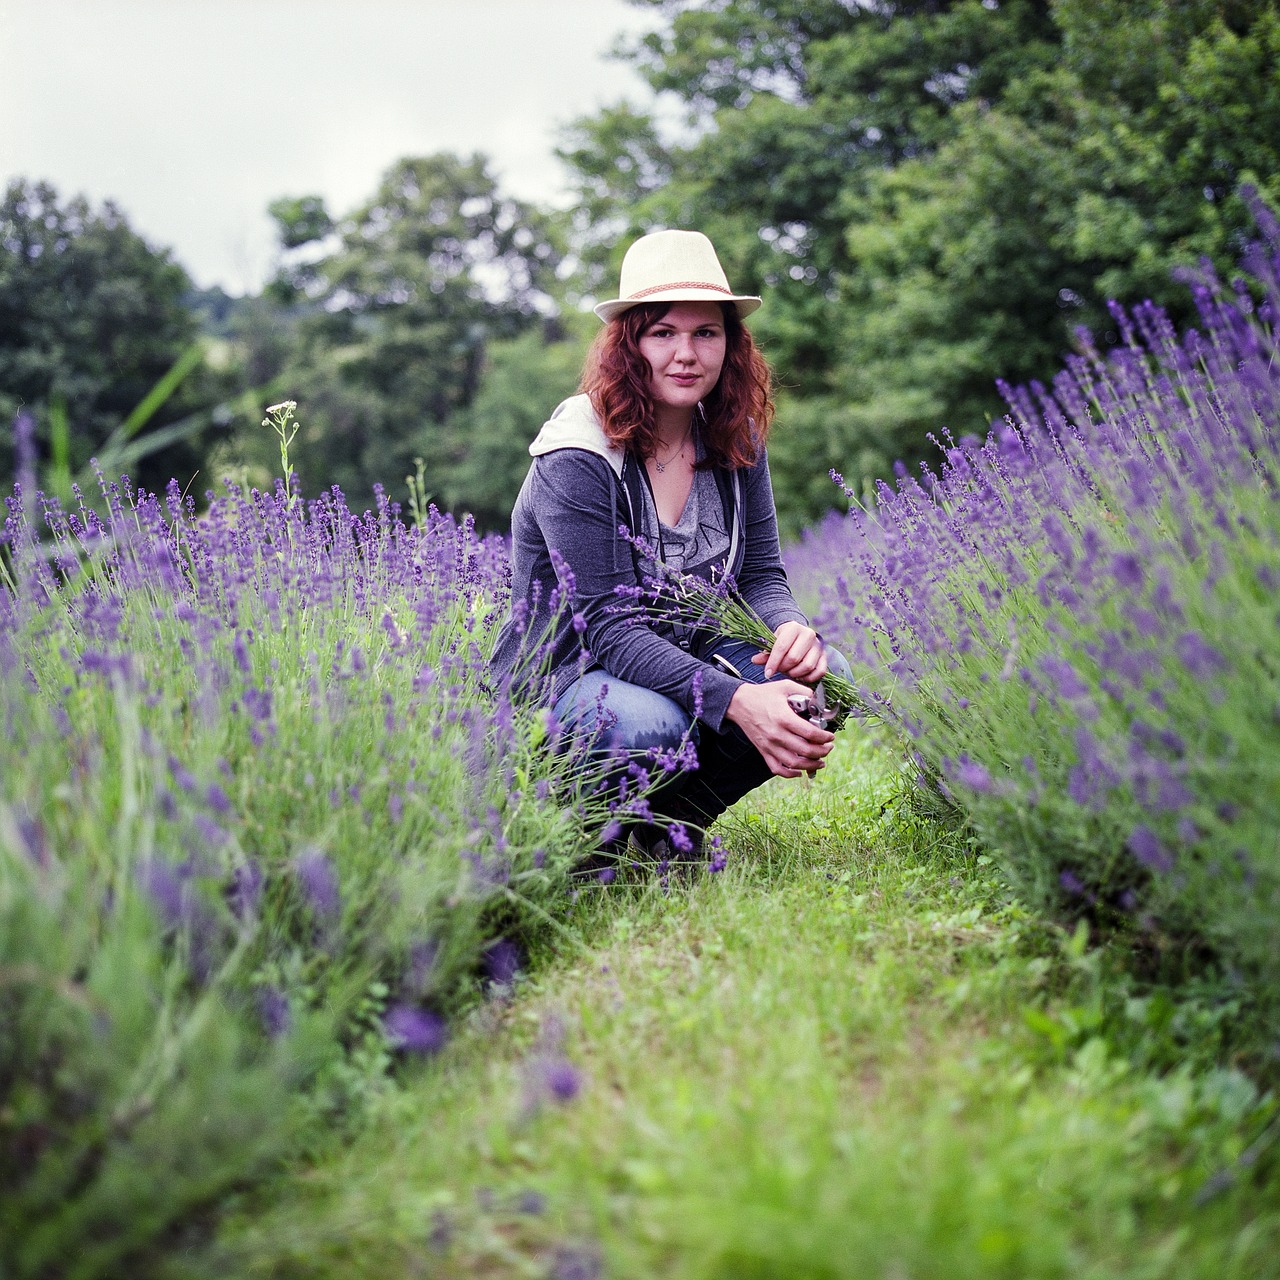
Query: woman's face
{"x": 685, "y": 350}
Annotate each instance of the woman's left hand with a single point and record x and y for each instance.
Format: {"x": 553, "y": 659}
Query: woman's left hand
{"x": 798, "y": 653}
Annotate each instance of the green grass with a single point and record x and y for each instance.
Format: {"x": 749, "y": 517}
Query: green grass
{"x": 849, "y": 1055}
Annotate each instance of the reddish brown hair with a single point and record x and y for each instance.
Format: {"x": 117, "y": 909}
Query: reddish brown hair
{"x": 739, "y": 411}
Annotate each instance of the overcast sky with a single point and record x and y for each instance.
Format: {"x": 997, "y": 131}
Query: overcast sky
{"x": 194, "y": 114}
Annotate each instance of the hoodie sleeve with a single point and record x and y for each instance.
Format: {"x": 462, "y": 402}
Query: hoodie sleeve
{"x": 762, "y": 581}
{"x": 575, "y": 499}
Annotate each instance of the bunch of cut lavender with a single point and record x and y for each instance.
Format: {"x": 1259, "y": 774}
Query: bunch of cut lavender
{"x": 716, "y": 606}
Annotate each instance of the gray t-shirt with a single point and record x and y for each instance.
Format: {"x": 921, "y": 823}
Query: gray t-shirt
{"x": 698, "y": 542}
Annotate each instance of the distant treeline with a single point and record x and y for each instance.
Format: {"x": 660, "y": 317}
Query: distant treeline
{"x": 930, "y": 194}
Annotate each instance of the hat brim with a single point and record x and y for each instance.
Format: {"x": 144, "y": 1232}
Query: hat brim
{"x": 745, "y": 303}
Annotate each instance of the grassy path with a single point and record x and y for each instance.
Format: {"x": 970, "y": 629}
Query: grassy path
{"x": 848, "y": 1055}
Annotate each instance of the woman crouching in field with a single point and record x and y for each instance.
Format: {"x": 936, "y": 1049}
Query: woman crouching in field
{"x": 667, "y": 438}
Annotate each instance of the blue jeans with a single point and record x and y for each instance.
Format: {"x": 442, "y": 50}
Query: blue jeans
{"x": 637, "y": 719}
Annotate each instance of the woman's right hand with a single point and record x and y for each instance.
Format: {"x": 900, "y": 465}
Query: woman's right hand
{"x": 789, "y": 744}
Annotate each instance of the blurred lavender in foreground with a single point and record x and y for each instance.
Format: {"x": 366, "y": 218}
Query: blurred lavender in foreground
{"x": 415, "y": 1030}
{"x": 263, "y": 787}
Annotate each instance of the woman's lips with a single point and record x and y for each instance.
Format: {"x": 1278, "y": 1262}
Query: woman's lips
{"x": 685, "y": 379}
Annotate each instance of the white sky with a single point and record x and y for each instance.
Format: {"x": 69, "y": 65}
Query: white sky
{"x": 194, "y": 114}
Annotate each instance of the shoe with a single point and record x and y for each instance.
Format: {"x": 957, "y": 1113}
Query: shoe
{"x": 652, "y": 841}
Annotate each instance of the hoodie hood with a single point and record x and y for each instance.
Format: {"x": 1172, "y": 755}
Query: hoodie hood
{"x": 575, "y": 425}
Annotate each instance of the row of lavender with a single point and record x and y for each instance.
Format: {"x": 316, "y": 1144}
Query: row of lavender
{"x": 263, "y": 825}
{"x": 1076, "y": 625}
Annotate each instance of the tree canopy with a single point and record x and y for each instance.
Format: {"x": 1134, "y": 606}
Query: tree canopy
{"x": 92, "y": 317}
{"x": 393, "y": 308}
{"x": 935, "y": 193}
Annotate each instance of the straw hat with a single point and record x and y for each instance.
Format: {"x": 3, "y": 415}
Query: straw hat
{"x": 673, "y": 266}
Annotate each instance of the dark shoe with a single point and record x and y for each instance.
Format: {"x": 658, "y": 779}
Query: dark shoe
{"x": 653, "y": 841}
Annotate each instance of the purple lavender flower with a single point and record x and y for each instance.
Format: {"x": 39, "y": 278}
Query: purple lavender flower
{"x": 31, "y": 833}
{"x": 1071, "y": 883}
{"x": 245, "y": 891}
{"x": 1145, "y": 845}
{"x": 1199, "y": 657}
{"x": 182, "y": 776}
{"x": 719, "y": 855}
{"x": 210, "y": 832}
{"x": 1082, "y": 786}
{"x": 1066, "y": 681}
{"x": 561, "y": 1079}
{"x": 413, "y": 1029}
{"x": 532, "y": 1203}
{"x": 240, "y": 651}
{"x": 274, "y": 1012}
{"x": 679, "y": 838}
{"x": 319, "y": 883}
{"x": 257, "y": 702}
{"x": 218, "y": 800}
{"x": 975, "y": 776}
{"x": 1127, "y": 570}
{"x": 168, "y": 891}
{"x": 574, "y": 1262}
{"x": 502, "y": 961}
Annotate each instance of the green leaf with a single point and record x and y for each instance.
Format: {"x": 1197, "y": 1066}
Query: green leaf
{"x": 158, "y": 394}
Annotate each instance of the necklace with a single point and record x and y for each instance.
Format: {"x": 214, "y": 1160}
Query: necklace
{"x": 659, "y": 466}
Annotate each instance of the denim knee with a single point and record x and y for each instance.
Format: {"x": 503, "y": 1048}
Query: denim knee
{"x": 622, "y": 715}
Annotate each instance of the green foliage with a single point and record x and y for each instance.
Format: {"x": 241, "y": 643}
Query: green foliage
{"x": 390, "y": 312}
{"x": 1215, "y": 736}
{"x": 931, "y": 193}
{"x": 91, "y": 319}
{"x": 1075, "y": 625}
{"x": 300, "y": 220}
{"x": 618, "y": 160}
{"x": 487, "y": 455}
{"x": 131, "y": 1104}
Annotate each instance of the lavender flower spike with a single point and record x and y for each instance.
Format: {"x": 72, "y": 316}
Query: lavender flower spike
{"x": 319, "y": 883}
{"x": 414, "y": 1029}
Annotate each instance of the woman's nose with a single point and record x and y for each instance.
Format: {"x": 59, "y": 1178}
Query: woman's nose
{"x": 684, "y": 350}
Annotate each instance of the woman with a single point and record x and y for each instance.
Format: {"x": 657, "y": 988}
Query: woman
{"x": 666, "y": 439}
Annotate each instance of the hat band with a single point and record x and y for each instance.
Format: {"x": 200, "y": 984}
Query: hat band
{"x": 679, "y": 284}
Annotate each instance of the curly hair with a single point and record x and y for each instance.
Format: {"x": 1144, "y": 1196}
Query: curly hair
{"x": 737, "y": 413}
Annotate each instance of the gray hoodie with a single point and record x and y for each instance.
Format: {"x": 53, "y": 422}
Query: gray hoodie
{"x": 578, "y": 492}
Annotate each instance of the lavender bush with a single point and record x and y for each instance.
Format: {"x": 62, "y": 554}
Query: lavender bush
{"x": 262, "y": 818}
{"x": 1076, "y": 625}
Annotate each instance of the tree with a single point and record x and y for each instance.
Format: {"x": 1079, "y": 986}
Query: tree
{"x": 522, "y": 381}
{"x": 393, "y": 308}
{"x": 1097, "y": 180}
{"x": 92, "y": 317}
{"x": 935, "y": 193}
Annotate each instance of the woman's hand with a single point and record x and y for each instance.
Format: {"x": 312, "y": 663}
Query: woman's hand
{"x": 797, "y": 652}
{"x": 789, "y": 744}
